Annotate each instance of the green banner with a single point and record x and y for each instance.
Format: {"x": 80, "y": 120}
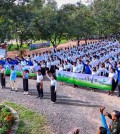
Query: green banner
{"x": 85, "y": 80}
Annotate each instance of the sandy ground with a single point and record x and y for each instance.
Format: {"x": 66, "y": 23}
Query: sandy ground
{"x": 75, "y": 107}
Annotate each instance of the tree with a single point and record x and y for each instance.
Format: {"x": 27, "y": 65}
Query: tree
{"x": 81, "y": 23}
{"x": 50, "y": 25}
{"x": 106, "y": 13}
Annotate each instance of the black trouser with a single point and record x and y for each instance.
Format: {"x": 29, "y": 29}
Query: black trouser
{"x": 25, "y": 85}
{"x": 43, "y": 71}
{"x": 40, "y": 90}
{"x": 113, "y": 85}
{"x": 119, "y": 88}
{"x": 52, "y": 70}
{"x": 2, "y": 80}
{"x": 53, "y": 94}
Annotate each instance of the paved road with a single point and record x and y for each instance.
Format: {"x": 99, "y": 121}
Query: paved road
{"x": 74, "y": 108}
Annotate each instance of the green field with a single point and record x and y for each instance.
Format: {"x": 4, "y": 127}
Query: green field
{"x": 84, "y": 83}
{"x": 25, "y": 46}
{"x": 29, "y": 122}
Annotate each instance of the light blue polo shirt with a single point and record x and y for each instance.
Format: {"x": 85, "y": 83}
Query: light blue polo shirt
{"x": 13, "y": 75}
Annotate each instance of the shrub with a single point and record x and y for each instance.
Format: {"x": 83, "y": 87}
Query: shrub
{"x": 6, "y": 120}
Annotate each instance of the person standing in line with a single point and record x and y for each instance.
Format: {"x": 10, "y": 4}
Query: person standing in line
{"x": 2, "y": 76}
{"x": 43, "y": 68}
{"x": 61, "y": 69}
{"x": 25, "y": 74}
{"x": 87, "y": 67}
{"x": 75, "y": 70}
{"x": 118, "y": 73}
{"x": 13, "y": 76}
{"x": 53, "y": 87}
{"x": 25, "y": 81}
{"x": 48, "y": 65}
{"x": 113, "y": 76}
{"x": 40, "y": 84}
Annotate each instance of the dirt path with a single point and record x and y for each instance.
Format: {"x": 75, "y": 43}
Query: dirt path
{"x": 74, "y": 108}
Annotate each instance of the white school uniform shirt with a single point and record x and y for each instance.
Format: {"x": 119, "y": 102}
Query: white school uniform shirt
{"x": 65, "y": 67}
{"x": 52, "y": 63}
{"x": 43, "y": 65}
{"x": 60, "y": 68}
{"x": 94, "y": 73}
{"x": 75, "y": 69}
{"x": 39, "y": 78}
{"x": 48, "y": 65}
{"x": 80, "y": 67}
{"x": 113, "y": 75}
{"x": 53, "y": 82}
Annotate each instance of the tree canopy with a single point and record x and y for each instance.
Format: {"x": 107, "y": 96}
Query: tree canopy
{"x": 42, "y": 19}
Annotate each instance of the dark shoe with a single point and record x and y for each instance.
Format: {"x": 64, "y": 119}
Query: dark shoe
{"x": 37, "y": 96}
{"x": 41, "y": 98}
{"x": 12, "y": 90}
{"x": 119, "y": 95}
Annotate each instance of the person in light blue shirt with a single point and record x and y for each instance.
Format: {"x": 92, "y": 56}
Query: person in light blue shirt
{"x": 13, "y": 76}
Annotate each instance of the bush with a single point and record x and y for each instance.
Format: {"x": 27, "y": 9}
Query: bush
{"x": 6, "y": 120}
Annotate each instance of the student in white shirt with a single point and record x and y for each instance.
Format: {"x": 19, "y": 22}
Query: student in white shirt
{"x": 43, "y": 68}
{"x": 65, "y": 66}
{"x": 53, "y": 87}
{"x": 48, "y": 65}
{"x": 74, "y": 71}
{"x": 40, "y": 84}
{"x": 61, "y": 69}
{"x": 113, "y": 75}
{"x": 80, "y": 66}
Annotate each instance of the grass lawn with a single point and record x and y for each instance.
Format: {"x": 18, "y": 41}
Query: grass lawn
{"x": 29, "y": 122}
{"x": 25, "y": 46}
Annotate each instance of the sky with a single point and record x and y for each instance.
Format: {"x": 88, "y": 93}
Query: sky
{"x": 61, "y": 2}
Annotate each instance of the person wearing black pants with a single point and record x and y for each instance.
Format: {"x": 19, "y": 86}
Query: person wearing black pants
{"x": 113, "y": 76}
{"x": 39, "y": 84}
{"x": 75, "y": 69}
{"x": 53, "y": 87}
{"x": 2, "y": 76}
{"x": 25, "y": 82}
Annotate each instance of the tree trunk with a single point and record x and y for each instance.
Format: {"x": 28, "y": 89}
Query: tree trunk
{"x": 21, "y": 42}
{"x": 85, "y": 41}
{"x": 78, "y": 41}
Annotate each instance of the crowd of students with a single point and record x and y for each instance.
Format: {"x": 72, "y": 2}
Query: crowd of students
{"x": 100, "y": 58}
{"x": 96, "y": 58}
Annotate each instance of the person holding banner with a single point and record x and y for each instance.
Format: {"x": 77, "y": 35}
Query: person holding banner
{"x": 2, "y": 76}
{"x": 87, "y": 67}
{"x": 53, "y": 87}
{"x": 113, "y": 75}
{"x": 75, "y": 70}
